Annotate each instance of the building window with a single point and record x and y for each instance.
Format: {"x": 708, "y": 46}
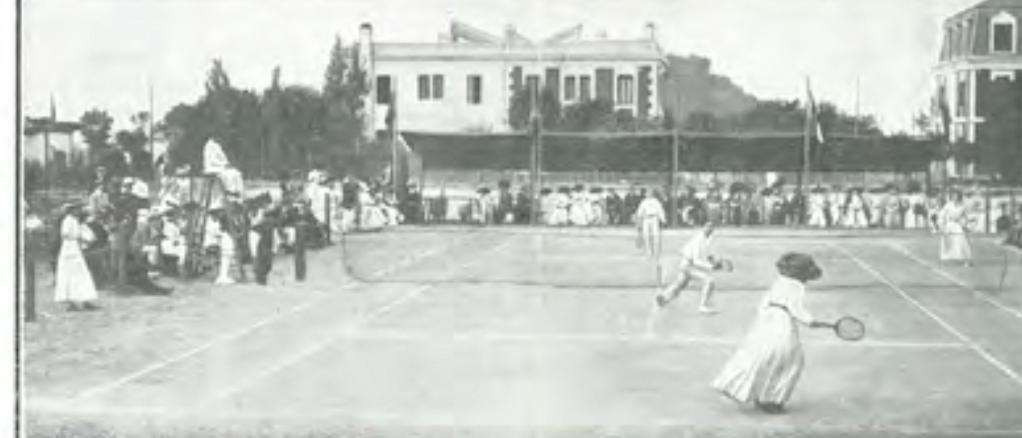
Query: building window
{"x": 569, "y": 88}
{"x": 423, "y": 87}
{"x": 625, "y": 89}
{"x": 585, "y": 88}
{"x": 438, "y": 87}
{"x": 962, "y": 96}
{"x": 1003, "y": 33}
{"x": 475, "y": 89}
{"x": 383, "y": 89}
{"x": 532, "y": 83}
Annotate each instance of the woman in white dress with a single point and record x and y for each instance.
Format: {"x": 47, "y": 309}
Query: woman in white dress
{"x": 817, "y": 208}
{"x": 768, "y": 363}
{"x": 561, "y": 202}
{"x": 578, "y": 214}
{"x": 74, "y": 283}
{"x": 893, "y": 210}
{"x": 836, "y": 205}
{"x": 855, "y": 210}
{"x": 954, "y": 221}
{"x": 546, "y": 206}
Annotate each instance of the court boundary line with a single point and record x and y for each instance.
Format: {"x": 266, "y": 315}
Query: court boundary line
{"x": 985, "y": 296}
{"x": 273, "y": 317}
{"x": 349, "y": 328}
{"x": 339, "y": 333}
{"x": 1006, "y": 370}
{"x": 402, "y": 420}
{"x": 609, "y": 338}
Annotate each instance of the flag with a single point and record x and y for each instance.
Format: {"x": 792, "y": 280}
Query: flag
{"x": 53, "y": 109}
{"x": 813, "y": 126}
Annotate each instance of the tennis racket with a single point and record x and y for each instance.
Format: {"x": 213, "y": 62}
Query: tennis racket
{"x": 848, "y": 328}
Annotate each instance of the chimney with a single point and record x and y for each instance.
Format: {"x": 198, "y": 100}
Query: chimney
{"x": 365, "y": 61}
{"x": 651, "y": 31}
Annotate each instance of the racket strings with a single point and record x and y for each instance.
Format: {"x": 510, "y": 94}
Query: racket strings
{"x": 849, "y": 328}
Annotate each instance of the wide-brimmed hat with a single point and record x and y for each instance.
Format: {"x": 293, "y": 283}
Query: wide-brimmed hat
{"x": 799, "y": 266}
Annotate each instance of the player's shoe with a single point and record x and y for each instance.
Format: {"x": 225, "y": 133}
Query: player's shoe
{"x": 707, "y": 310}
{"x": 661, "y": 301}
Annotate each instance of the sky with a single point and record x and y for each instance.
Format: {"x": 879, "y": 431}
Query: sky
{"x": 106, "y": 53}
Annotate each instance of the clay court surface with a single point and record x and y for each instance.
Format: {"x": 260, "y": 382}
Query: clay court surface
{"x": 541, "y": 333}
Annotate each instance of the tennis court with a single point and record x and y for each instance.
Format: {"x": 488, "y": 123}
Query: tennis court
{"x": 519, "y": 332}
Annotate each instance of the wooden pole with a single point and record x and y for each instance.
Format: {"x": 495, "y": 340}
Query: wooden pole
{"x": 671, "y": 183}
{"x": 535, "y": 156}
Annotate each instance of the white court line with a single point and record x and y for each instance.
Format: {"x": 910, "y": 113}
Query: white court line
{"x": 978, "y": 293}
{"x": 275, "y": 316}
{"x": 460, "y": 422}
{"x": 346, "y": 331}
{"x": 610, "y": 338}
{"x": 947, "y": 326}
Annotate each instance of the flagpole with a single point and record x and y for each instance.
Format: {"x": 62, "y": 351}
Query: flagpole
{"x": 855, "y": 122}
{"x": 804, "y": 172}
{"x": 152, "y": 132}
{"x": 393, "y": 141}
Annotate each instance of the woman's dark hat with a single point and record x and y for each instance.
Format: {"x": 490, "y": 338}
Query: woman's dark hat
{"x": 799, "y": 266}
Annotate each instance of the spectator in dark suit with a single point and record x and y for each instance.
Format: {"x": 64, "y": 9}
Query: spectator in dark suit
{"x": 615, "y": 208}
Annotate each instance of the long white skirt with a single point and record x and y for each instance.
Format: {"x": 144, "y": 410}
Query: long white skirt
{"x": 768, "y": 363}
{"x": 954, "y": 247}
{"x": 74, "y": 281}
{"x": 817, "y": 218}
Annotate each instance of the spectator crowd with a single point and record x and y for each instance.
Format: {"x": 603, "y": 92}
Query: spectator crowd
{"x": 738, "y": 205}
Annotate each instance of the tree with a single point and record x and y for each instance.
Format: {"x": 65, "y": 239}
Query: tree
{"x": 96, "y": 125}
{"x": 520, "y": 110}
{"x": 343, "y": 115}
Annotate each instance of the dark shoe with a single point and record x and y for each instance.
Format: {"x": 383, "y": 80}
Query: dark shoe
{"x": 73, "y": 307}
{"x": 90, "y": 306}
{"x": 770, "y": 408}
{"x": 661, "y": 301}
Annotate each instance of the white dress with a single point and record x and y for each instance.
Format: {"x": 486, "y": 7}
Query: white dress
{"x": 74, "y": 282}
{"x": 836, "y": 204}
{"x": 769, "y": 361}
{"x": 954, "y": 245}
{"x": 817, "y": 208}
{"x": 855, "y": 214}
{"x": 579, "y": 212}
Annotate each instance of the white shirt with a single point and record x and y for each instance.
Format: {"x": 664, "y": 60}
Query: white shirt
{"x": 697, "y": 249}
{"x": 649, "y": 209}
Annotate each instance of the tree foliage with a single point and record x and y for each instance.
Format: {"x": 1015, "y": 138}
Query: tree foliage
{"x": 96, "y": 126}
{"x": 283, "y": 127}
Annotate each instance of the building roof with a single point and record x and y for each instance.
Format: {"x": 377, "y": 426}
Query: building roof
{"x": 469, "y": 43}
{"x": 974, "y": 22}
{"x": 989, "y": 4}
{"x": 638, "y": 50}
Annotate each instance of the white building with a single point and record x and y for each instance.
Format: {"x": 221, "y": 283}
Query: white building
{"x": 464, "y": 82}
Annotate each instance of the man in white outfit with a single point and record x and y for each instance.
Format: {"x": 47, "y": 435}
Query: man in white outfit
{"x": 698, "y": 263}
{"x": 649, "y": 216}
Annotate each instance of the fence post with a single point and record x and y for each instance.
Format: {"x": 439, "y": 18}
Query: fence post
{"x": 986, "y": 202}
{"x": 29, "y": 276}
{"x": 326, "y": 202}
